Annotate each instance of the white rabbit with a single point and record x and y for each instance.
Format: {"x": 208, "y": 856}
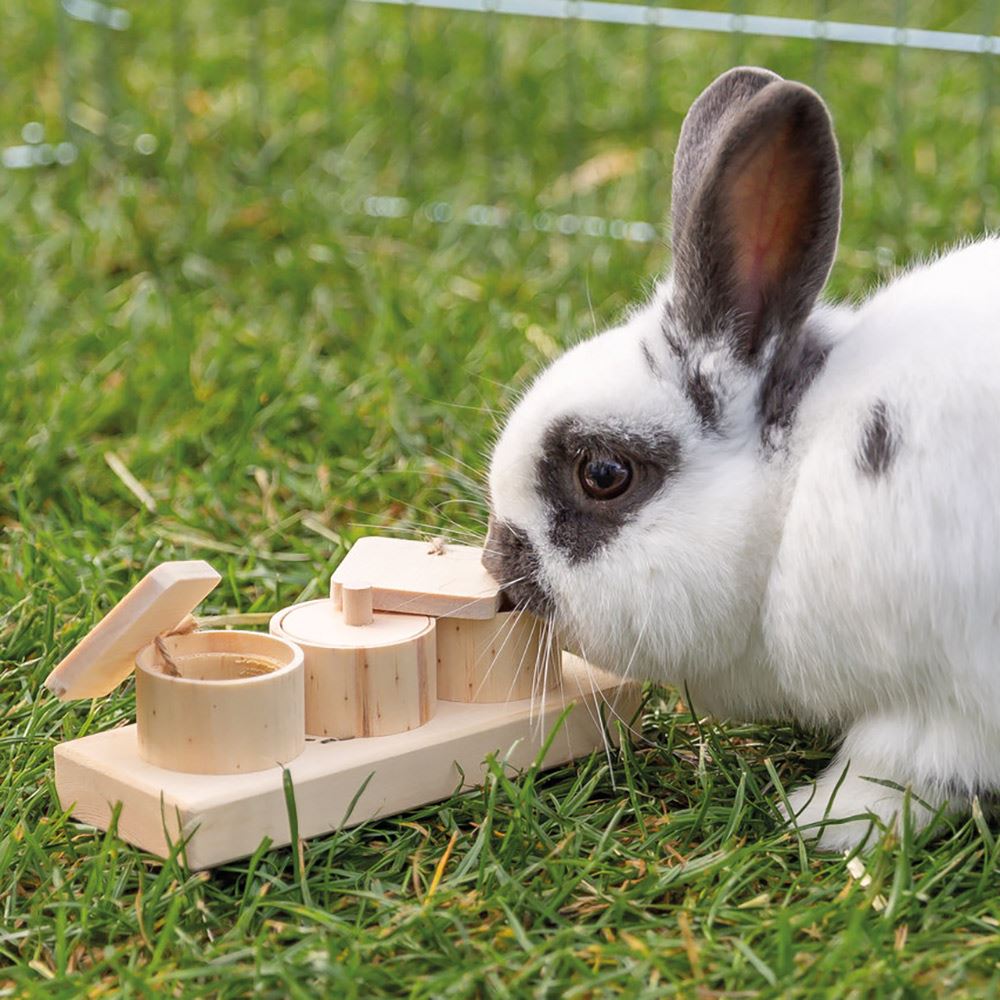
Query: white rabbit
{"x": 790, "y": 510}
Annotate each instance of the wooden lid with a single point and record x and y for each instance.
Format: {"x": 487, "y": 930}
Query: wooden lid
{"x": 445, "y": 581}
{"x": 320, "y": 623}
{"x": 158, "y": 603}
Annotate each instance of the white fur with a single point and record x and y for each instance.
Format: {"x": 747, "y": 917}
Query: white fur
{"x": 797, "y": 585}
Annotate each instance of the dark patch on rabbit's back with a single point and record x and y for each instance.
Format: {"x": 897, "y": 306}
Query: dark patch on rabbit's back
{"x": 879, "y": 442}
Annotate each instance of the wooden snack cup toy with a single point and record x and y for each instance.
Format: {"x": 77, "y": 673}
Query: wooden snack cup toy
{"x": 216, "y": 759}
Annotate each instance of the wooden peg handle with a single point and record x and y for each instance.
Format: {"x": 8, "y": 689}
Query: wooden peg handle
{"x": 357, "y": 600}
{"x": 337, "y": 595}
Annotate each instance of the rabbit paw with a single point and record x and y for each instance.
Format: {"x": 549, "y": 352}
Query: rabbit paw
{"x": 843, "y": 812}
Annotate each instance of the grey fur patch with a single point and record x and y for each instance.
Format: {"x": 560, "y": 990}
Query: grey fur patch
{"x": 651, "y": 363}
{"x": 697, "y": 386}
{"x": 963, "y": 790}
{"x": 703, "y": 398}
{"x": 792, "y": 372}
{"x": 675, "y": 342}
{"x": 879, "y": 442}
{"x": 578, "y": 525}
{"x": 513, "y": 562}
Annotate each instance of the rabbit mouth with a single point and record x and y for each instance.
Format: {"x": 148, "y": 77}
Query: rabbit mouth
{"x": 511, "y": 558}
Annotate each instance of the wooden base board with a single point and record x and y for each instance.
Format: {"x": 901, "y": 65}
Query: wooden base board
{"x": 225, "y": 817}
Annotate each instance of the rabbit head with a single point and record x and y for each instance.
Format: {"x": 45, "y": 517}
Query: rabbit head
{"x": 632, "y": 489}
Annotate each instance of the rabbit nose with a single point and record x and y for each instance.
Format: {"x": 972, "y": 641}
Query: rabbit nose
{"x": 511, "y": 559}
{"x": 493, "y": 547}
{"x": 493, "y": 559}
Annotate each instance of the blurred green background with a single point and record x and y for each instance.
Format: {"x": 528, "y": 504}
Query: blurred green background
{"x": 210, "y": 289}
{"x": 306, "y": 255}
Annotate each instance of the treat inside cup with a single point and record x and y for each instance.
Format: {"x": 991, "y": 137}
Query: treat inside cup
{"x": 215, "y": 656}
{"x": 214, "y": 666}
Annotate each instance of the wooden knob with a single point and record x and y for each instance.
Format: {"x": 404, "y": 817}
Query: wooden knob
{"x": 337, "y": 595}
{"x": 357, "y": 603}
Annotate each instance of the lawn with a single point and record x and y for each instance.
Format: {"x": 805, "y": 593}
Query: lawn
{"x": 283, "y": 370}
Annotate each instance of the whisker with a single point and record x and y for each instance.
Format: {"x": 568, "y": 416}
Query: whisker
{"x": 462, "y": 406}
{"x": 479, "y": 473}
{"x": 612, "y": 705}
{"x": 543, "y": 659}
{"x": 520, "y": 666}
{"x": 509, "y": 625}
{"x": 598, "y": 699}
{"x": 421, "y": 533}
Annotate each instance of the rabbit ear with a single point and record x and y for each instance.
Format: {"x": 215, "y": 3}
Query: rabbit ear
{"x": 706, "y": 119}
{"x": 759, "y": 221}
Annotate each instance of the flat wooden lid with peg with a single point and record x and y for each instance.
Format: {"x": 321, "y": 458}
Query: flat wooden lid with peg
{"x": 421, "y": 578}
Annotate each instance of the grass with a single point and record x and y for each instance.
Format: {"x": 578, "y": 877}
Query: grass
{"x": 282, "y": 372}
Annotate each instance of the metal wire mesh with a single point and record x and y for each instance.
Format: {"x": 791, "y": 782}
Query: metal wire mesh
{"x": 95, "y": 112}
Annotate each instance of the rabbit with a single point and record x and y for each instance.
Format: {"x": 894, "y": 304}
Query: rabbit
{"x": 788, "y": 509}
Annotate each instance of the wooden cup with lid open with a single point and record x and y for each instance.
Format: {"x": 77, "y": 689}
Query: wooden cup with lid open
{"x": 213, "y": 702}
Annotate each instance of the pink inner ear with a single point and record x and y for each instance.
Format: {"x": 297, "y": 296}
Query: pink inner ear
{"x": 767, "y": 199}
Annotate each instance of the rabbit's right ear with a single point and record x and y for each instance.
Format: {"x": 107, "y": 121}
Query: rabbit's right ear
{"x": 706, "y": 120}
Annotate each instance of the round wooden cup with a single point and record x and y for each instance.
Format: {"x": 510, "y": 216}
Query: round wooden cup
{"x": 368, "y": 679}
{"x": 237, "y": 706}
{"x": 497, "y": 659}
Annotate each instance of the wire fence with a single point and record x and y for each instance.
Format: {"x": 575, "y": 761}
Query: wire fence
{"x": 95, "y": 114}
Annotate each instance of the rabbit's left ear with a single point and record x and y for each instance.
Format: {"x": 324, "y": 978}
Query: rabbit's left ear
{"x": 758, "y": 233}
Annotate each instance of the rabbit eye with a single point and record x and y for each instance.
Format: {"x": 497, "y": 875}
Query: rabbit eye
{"x": 604, "y": 477}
